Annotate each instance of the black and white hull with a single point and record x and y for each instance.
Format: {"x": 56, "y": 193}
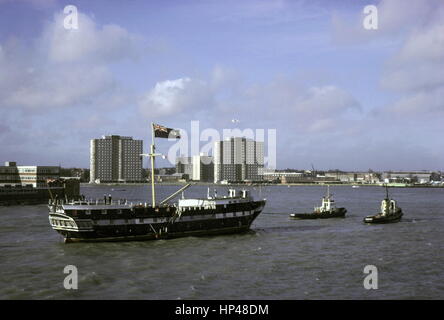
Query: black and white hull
{"x": 325, "y": 211}
{"x": 332, "y": 213}
{"x": 380, "y": 218}
{"x": 87, "y": 221}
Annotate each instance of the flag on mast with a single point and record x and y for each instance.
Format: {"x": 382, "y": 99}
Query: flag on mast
{"x": 164, "y": 132}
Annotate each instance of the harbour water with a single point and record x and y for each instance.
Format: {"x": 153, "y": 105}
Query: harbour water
{"x": 279, "y": 259}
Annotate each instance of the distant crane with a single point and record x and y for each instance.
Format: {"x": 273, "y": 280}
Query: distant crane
{"x": 313, "y": 172}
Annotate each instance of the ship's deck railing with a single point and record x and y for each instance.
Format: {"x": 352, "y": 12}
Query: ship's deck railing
{"x": 88, "y": 202}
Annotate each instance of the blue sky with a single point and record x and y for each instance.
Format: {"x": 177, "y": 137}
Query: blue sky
{"x": 339, "y": 96}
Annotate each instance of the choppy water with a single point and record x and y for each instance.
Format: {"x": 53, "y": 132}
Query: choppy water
{"x": 279, "y": 259}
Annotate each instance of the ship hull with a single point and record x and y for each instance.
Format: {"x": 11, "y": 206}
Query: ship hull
{"x": 148, "y": 225}
{"x": 109, "y": 236}
{"x": 379, "y": 219}
{"x": 338, "y": 213}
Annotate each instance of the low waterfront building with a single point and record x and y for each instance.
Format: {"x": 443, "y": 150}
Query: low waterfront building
{"x": 176, "y": 177}
{"x": 35, "y": 176}
{"x": 355, "y": 176}
{"x": 320, "y": 177}
{"x": 284, "y": 177}
{"x": 34, "y": 184}
{"x": 422, "y": 177}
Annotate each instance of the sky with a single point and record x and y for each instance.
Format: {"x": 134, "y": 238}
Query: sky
{"x": 339, "y": 96}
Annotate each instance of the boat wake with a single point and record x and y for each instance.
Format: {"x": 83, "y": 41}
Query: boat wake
{"x": 288, "y": 228}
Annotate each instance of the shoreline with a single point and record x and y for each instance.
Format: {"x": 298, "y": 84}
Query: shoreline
{"x": 263, "y": 184}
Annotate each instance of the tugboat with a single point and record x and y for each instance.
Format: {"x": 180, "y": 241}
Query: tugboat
{"x": 390, "y": 212}
{"x": 118, "y": 220}
{"x": 326, "y": 210}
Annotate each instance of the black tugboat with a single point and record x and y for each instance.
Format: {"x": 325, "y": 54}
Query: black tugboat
{"x": 118, "y": 220}
{"x": 326, "y": 210}
{"x": 390, "y": 212}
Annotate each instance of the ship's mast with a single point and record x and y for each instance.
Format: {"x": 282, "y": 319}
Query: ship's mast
{"x": 152, "y": 155}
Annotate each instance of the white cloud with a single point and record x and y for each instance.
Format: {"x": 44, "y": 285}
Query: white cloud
{"x": 415, "y": 70}
{"x": 424, "y": 44}
{"x": 173, "y": 96}
{"x": 415, "y": 31}
{"x": 426, "y": 103}
{"x": 64, "y": 68}
{"x": 320, "y": 109}
{"x": 286, "y": 103}
{"x": 89, "y": 43}
{"x": 164, "y": 98}
{"x": 61, "y": 88}
{"x": 216, "y": 100}
{"x": 300, "y": 114}
{"x": 326, "y": 100}
{"x": 419, "y": 63}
